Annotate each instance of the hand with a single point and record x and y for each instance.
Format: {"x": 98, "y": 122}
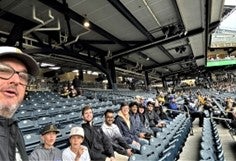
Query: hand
{"x": 136, "y": 143}
{"x": 79, "y": 153}
{"x": 142, "y": 135}
{"x": 112, "y": 159}
{"x": 129, "y": 152}
{"x": 161, "y": 124}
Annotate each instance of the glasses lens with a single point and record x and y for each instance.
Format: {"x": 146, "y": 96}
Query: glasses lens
{"x": 6, "y": 72}
{"x": 25, "y": 78}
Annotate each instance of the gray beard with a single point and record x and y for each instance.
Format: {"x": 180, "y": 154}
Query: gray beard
{"x": 8, "y": 112}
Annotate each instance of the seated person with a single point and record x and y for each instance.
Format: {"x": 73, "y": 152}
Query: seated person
{"x": 65, "y": 92}
{"x": 76, "y": 151}
{"x": 126, "y": 127}
{"x": 46, "y": 150}
{"x": 98, "y": 144}
{"x": 158, "y": 108}
{"x": 141, "y": 132}
{"x": 156, "y": 124}
{"x": 161, "y": 98}
{"x": 193, "y": 112}
{"x": 230, "y": 108}
{"x": 144, "y": 120}
{"x": 173, "y": 107}
{"x": 72, "y": 91}
{"x": 112, "y": 131}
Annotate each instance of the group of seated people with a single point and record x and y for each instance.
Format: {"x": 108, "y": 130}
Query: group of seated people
{"x": 69, "y": 91}
{"x": 121, "y": 134}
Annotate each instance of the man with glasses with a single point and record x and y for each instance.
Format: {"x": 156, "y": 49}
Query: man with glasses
{"x": 112, "y": 131}
{"x": 16, "y": 72}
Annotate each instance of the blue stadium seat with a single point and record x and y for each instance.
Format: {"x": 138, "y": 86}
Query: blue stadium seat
{"x": 39, "y": 112}
{"x": 137, "y": 157}
{"x": 150, "y": 152}
{"x": 42, "y": 121}
{"x": 28, "y": 126}
{"x": 23, "y": 114}
{"x": 53, "y": 111}
{"x": 97, "y": 121}
{"x": 31, "y": 141}
{"x": 74, "y": 117}
{"x": 60, "y": 118}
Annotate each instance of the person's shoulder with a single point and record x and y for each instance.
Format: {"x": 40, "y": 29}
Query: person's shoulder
{"x": 66, "y": 150}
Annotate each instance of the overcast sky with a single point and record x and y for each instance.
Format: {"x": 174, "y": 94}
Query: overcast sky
{"x": 230, "y": 22}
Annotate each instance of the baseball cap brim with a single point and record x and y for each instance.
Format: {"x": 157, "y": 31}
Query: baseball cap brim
{"x": 28, "y": 61}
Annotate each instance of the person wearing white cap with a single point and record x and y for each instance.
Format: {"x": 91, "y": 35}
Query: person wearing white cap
{"x": 76, "y": 151}
{"x": 16, "y": 72}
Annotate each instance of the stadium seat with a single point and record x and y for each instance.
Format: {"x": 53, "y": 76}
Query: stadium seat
{"x": 97, "y": 121}
{"x": 60, "y": 118}
{"x": 137, "y": 157}
{"x": 31, "y": 141}
{"x": 149, "y": 152}
{"x": 23, "y": 114}
{"x": 42, "y": 121}
{"x": 28, "y": 126}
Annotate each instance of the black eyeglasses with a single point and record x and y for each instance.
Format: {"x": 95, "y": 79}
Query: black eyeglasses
{"x": 110, "y": 117}
{"x": 6, "y": 72}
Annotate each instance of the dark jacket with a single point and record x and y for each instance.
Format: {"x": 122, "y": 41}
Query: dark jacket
{"x": 128, "y": 134}
{"x": 138, "y": 125}
{"x": 97, "y": 142}
{"x": 10, "y": 139}
{"x": 120, "y": 146}
{"x": 153, "y": 118}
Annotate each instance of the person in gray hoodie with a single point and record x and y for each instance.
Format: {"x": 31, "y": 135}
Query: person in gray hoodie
{"x": 46, "y": 151}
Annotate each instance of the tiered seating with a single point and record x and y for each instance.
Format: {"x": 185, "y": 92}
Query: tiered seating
{"x": 211, "y": 147}
{"x": 43, "y": 107}
{"x": 168, "y": 143}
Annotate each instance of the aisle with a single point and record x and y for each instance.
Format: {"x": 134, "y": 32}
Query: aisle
{"x": 192, "y": 145}
{"x": 229, "y": 145}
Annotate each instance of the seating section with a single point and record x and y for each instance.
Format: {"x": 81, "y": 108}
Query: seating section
{"x": 211, "y": 147}
{"x": 172, "y": 138}
{"x": 42, "y": 108}
{"x": 167, "y": 145}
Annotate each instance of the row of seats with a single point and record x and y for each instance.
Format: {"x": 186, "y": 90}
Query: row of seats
{"x": 33, "y": 139}
{"x": 211, "y": 146}
{"x": 31, "y": 125}
{"x": 168, "y": 144}
{"x": 63, "y": 110}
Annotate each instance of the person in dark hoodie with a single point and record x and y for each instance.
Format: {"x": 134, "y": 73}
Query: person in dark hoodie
{"x": 141, "y": 131}
{"x": 126, "y": 127}
{"x": 98, "y": 144}
{"x": 16, "y": 72}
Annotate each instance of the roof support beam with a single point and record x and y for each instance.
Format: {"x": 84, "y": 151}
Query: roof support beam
{"x": 158, "y": 41}
{"x": 15, "y": 35}
{"x": 207, "y": 22}
{"x": 126, "y": 13}
{"x": 80, "y": 19}
{"x": 178, "y": 60}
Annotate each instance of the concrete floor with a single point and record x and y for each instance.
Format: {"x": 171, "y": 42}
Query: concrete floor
{"x": 191, "y": 150}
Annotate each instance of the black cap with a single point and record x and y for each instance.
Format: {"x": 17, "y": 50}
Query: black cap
{"x": 49, "y": 128}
